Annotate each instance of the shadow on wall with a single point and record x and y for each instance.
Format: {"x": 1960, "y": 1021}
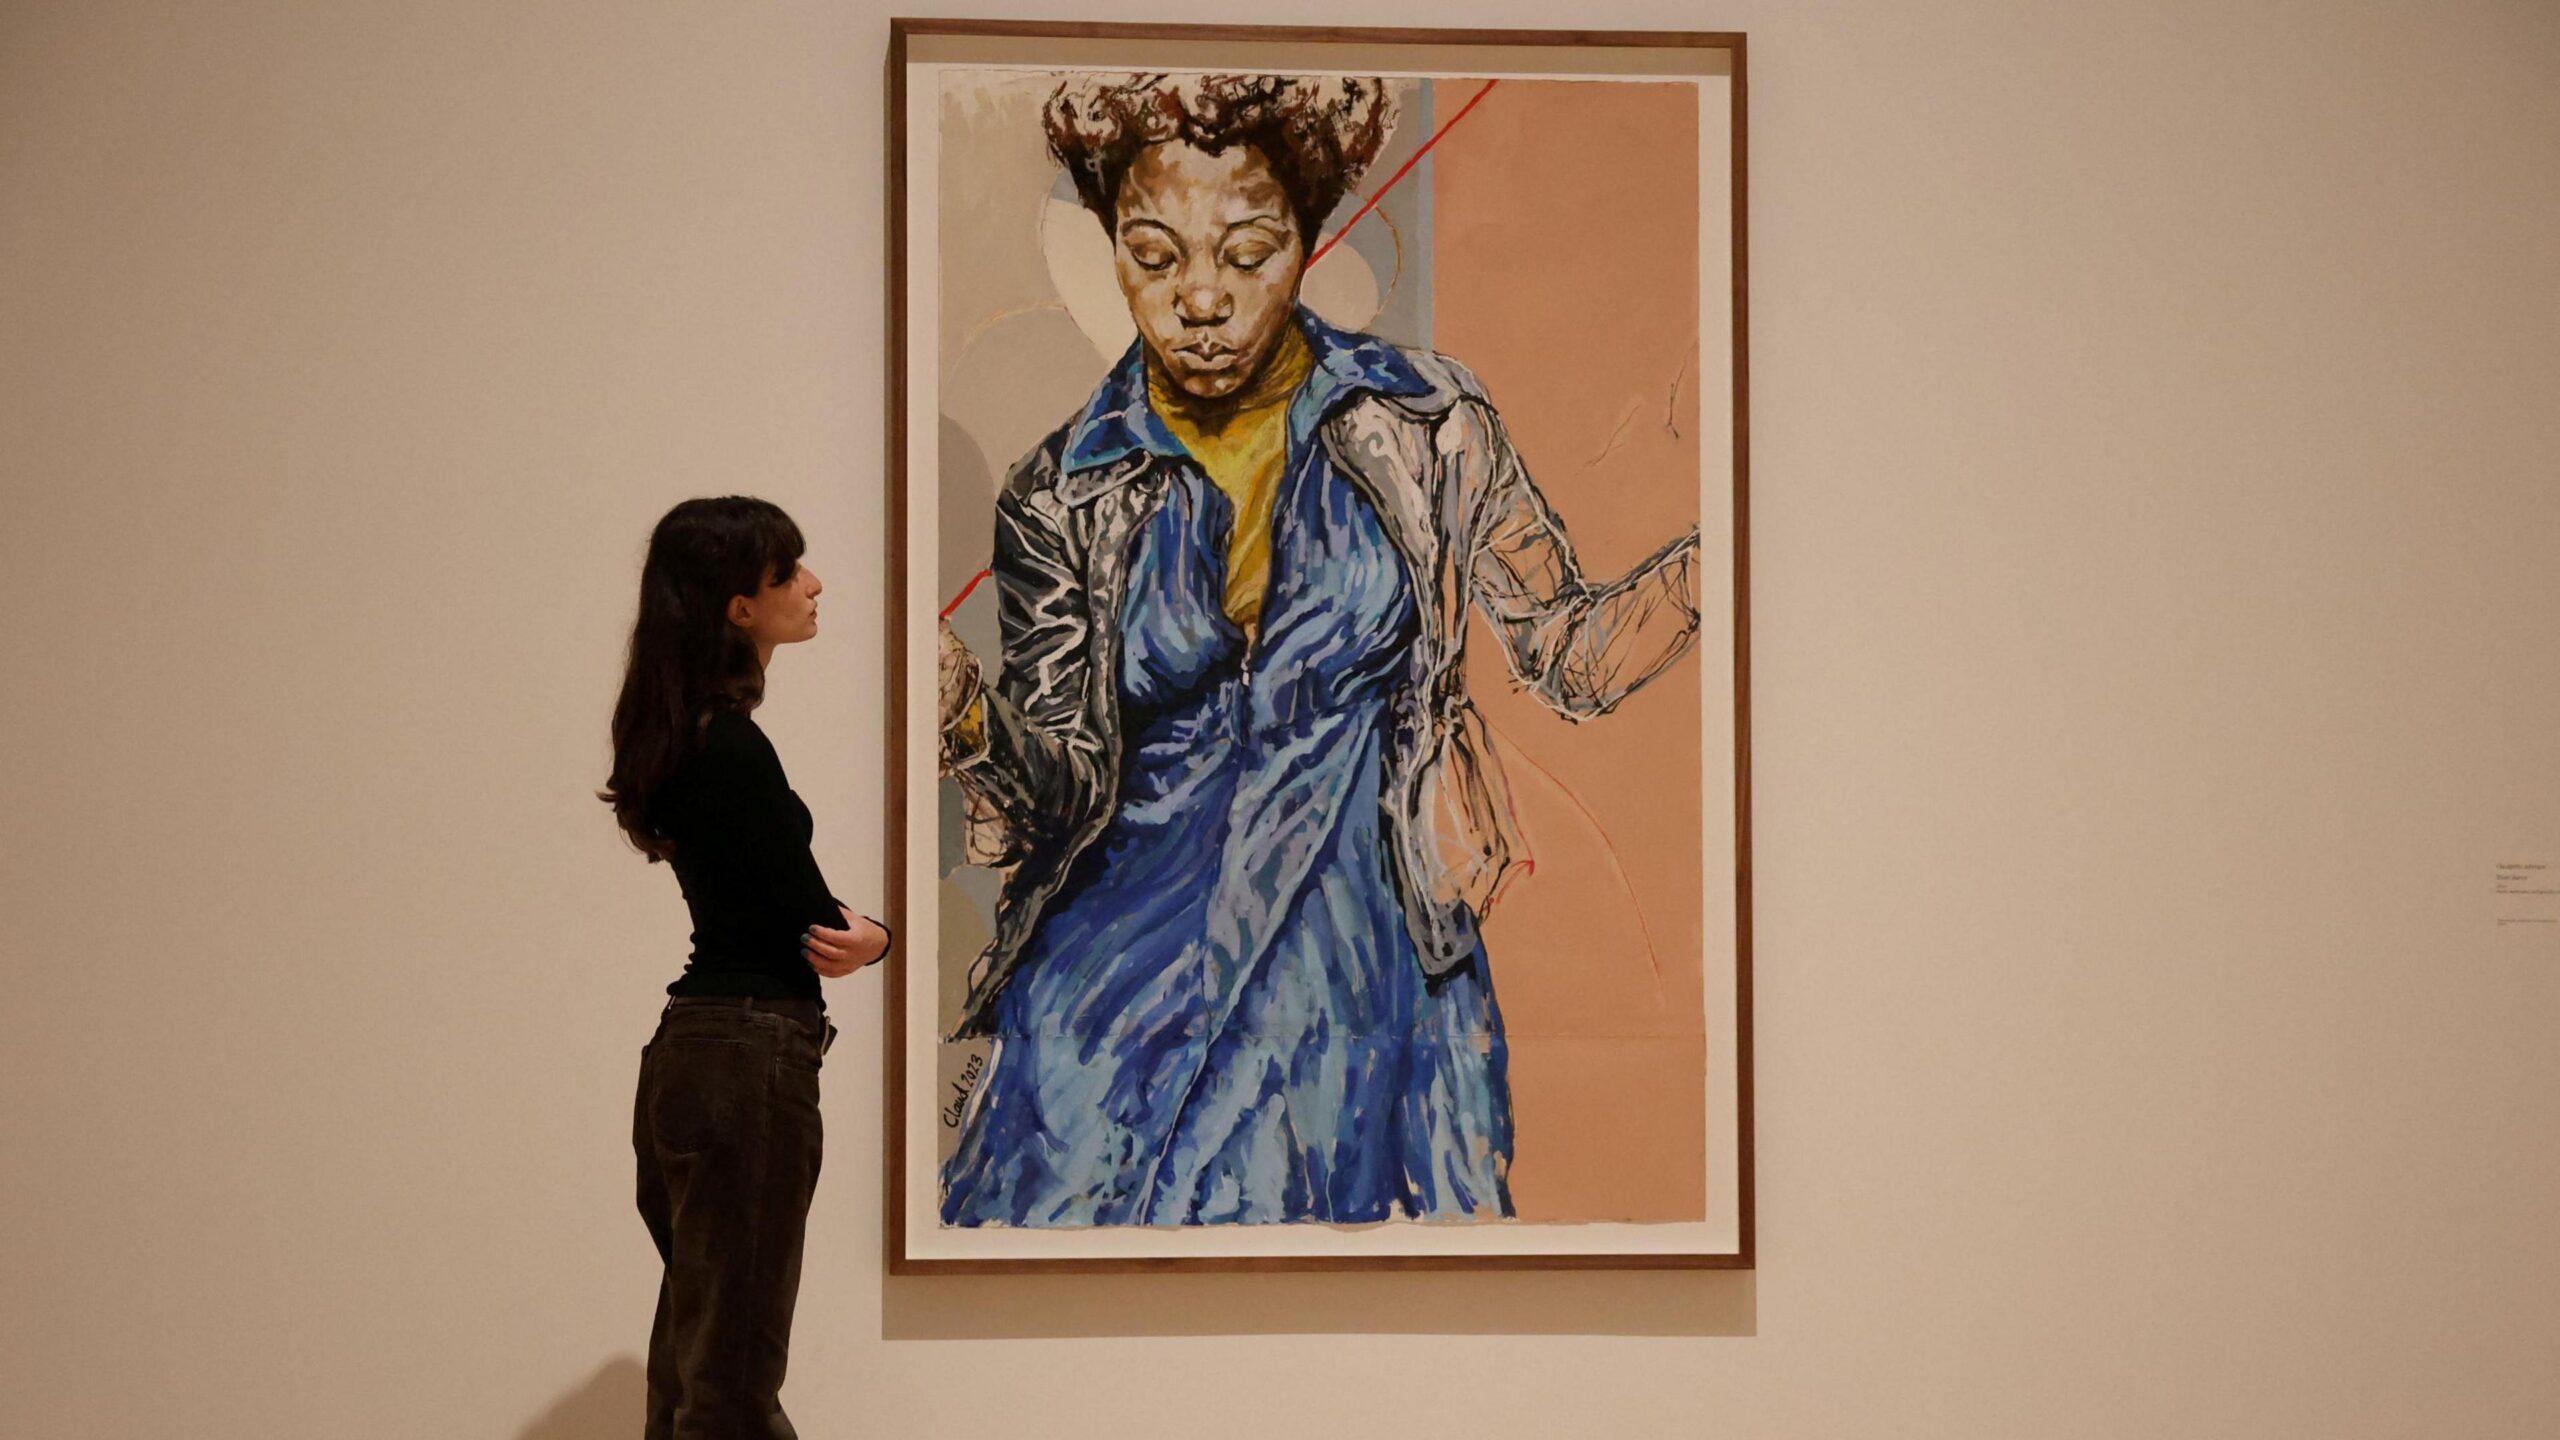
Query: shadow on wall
{"x": 1555, "y": 1302}
{"x": 607, "y": 1407}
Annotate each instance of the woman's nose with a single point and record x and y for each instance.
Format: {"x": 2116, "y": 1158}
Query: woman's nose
{"x": 1204, "y": 304}
{"x": 816, "y": 585}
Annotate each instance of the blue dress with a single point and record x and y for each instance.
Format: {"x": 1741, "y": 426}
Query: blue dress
{"x": 1220, "y": 1018}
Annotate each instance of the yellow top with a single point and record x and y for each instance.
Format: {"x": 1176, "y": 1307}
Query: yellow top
{"x": 1242, "y": 440}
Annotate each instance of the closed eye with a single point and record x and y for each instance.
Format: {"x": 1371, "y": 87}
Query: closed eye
{"x": 1149, "y": 245}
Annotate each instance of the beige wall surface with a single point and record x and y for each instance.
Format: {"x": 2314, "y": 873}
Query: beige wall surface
{"x": 2154, "y": 514}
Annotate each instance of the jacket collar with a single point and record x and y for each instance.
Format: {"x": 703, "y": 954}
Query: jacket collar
{"x": 1118, "y": 432}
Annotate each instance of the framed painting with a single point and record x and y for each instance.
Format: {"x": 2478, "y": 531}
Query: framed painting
{"x": 1319, "y": 763}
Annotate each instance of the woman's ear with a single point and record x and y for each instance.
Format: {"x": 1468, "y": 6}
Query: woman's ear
{"x": 741, "y": 614}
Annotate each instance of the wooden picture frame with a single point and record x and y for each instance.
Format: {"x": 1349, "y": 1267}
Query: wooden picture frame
{"x": 922, "y": 55}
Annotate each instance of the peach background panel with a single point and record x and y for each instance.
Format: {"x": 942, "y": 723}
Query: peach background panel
{"x": 1566, "y": 275}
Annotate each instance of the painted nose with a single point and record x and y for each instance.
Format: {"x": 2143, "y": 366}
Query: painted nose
{"x": 1204, "y": 305}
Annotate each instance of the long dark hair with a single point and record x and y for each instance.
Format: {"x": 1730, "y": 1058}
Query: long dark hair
{"x": 687, "y": 661}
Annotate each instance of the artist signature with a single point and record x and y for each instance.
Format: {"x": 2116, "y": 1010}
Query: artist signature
{"x": 962, "y": 1089}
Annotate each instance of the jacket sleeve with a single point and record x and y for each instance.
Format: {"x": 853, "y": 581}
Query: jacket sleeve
{"x": 1581, "y": 647}
{"x": 1037, "y": 770}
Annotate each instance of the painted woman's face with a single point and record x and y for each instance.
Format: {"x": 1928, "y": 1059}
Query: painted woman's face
{"x": 1209, "y": 256}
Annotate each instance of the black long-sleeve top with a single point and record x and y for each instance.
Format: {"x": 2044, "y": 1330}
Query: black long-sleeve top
{"x": 741, "y": 840}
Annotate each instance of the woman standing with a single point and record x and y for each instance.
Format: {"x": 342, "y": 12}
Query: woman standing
{"x": 726, "y": 1121}
{"x": 1250, "y": 817}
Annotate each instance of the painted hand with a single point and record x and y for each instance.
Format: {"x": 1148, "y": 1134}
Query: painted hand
{"x": 956, "y": 677}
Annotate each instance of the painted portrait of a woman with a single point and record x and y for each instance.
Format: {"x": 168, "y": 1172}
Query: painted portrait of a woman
{"x": 1247, "y": 816}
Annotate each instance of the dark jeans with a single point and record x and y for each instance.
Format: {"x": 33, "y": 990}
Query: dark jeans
{"x": 727, "y": 1132}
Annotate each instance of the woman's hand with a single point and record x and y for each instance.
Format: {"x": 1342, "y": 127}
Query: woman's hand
{"x": 956, "y": 678}
{"x": 835, "y": 953}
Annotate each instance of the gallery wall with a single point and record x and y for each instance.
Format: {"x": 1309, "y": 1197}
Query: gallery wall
{"x": 2154, "y": 510}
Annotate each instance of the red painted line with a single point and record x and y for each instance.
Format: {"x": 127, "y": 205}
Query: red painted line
{"x": 964, "y": 592}
{"x": 1401, "y": 172}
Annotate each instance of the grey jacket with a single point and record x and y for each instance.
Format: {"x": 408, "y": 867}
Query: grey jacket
{"x": 1473, "y": 531}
